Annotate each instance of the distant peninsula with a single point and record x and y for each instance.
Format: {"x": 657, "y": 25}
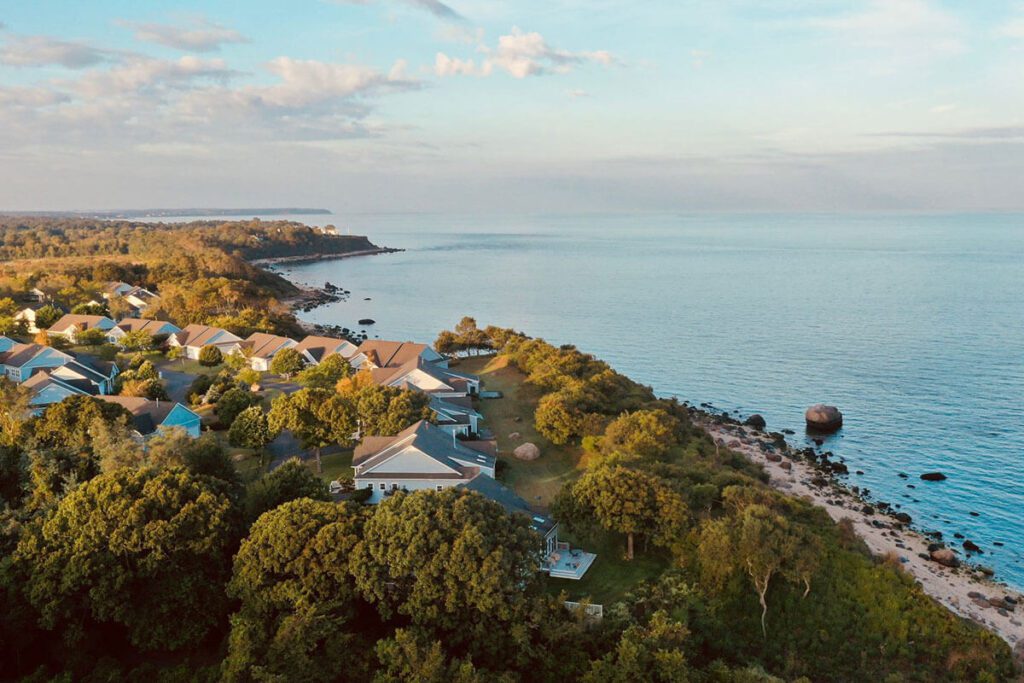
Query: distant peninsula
{"x": 175, "y": 213}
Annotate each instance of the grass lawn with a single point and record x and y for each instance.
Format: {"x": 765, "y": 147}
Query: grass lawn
{"x": 611, "y": 576}
{"x": 188, "y": 366}
{"x": 336, "y": 466}
{"x": 539, "y": 481}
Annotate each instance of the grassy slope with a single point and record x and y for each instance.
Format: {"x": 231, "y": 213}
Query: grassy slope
{"x": 539, "y": 481}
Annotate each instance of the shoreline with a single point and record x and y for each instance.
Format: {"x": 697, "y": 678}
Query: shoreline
{"x": 965, "y": 591}
{"x": 310, "y": 258}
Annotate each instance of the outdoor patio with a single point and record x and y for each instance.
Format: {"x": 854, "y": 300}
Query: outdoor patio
{"x": 568, "y": 563}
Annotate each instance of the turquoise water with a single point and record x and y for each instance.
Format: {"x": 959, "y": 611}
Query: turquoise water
{"x": 913, "y": 326}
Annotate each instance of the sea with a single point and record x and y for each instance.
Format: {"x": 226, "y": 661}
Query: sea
{"x": 913, "y": 325}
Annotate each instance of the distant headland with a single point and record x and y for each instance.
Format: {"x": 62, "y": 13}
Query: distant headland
{"x": 174, "y": 213}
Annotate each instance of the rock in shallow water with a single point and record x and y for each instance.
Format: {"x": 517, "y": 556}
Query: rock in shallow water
{"x": 756, "y": 421}
{"x": 933, "y": 476}
{"x": 945, "y": 557}
{"x": 823, "y": 418}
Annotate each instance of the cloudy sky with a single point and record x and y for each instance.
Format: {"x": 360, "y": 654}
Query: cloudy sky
{"x": 513, "y": 105}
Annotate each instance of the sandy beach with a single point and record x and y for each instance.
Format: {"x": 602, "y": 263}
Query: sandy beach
{"x": 964, "y": 590}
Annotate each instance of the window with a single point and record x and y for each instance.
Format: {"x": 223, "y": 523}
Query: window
{"x": 394, "y": 487}
{"x": 369, "y": 485}
{"x": 383, "y": 486}
{"x": 440, "y": 488}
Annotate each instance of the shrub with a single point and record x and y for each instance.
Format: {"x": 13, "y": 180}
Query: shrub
{"x": 210, "y": 356}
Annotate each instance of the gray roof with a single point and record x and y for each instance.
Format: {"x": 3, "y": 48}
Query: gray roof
{"x": 508, "y": 499}
{"x": 427, "y": 438}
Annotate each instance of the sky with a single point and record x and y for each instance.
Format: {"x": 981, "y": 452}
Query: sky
{"x": 519, "y": 106}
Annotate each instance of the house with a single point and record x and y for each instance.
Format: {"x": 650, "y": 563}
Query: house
{"x": 37, "y": 295}
{"x": 19, "y": 361}
{"x": 6, "y": 343}
{"x": 260, "y": 348}
{"x": 376, "y": 353}
{"x": 155, "y": 328}
{"x": 28, "y": 316}
{"x": 418, "y": 373}
{"x": 148, "y": 417}
{"x": 422, "y": 456}
{"x": 194, "y": 337}
{"x": 425, "y": 456}
{"x": 316, "y": 349}
{"x": 71, "y": 325}
{"x": 48, "y": 389}
{"x": 455, "y": 414}
{"x": 138, "y": 298}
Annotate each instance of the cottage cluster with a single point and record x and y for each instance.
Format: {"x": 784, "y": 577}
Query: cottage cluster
{"x": 450, "y": 450}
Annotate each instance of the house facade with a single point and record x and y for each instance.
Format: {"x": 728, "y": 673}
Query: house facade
{"x": 193, "y": 338}
{"x": 260, "y": 348}
{"x": 317, "y": 348}
{"x": 150, "y": 417}
{"x": 71, "y": 325}
{"x": 154, "y": 328}
{"x": 422, "y": 456}
{"x": 20, "y": 361}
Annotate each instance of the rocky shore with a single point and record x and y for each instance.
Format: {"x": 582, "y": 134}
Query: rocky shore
{"x": 966, "y": 589}
{"x": 309, "y": 258}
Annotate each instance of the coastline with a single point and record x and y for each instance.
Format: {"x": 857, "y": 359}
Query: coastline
{"x": 309, "y": 258}
{"x": 965, "y": 591}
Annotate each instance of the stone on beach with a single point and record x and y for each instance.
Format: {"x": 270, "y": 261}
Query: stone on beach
{"x": 823, "y": 418}
{"x": 945, "y": 557}
{"x": 756, "y": 421}
{"x": 526, "y": 451}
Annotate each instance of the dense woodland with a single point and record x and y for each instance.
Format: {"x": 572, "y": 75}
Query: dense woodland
{"x": 200, "y": 270}
{"x": 161, "y": 564}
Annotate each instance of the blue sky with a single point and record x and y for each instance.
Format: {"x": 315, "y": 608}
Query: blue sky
{"x": 493, "y": 106}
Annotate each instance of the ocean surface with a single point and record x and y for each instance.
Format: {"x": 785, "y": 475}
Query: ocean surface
{"x": 912, "y": 325}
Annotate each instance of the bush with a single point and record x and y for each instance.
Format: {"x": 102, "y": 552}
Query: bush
{"x": 231, "y": 403}
{"x": 210, "y": 356}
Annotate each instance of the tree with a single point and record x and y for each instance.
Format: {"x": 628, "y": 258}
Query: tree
{"x": 251, "y": 429}
{"x": 632, "y": 502}
{"x": 67, "y": 424}
{"x": 297, "y": 595}
{"x": 317, "y": 418}
{"x": 231, "y": 404}
{"x": 290, "y": 481}
{"x": 15, "y": 410}
{"x": 287, "y": 362}
{"x": 558, "y": 418}
{"x": 89, "y": 309}
{"x": 645, "y": 653}
{"x": 113, "y": 445}
{"x": 647, "y": 433}
{"x": 405, "y": 659}
{"x": 326, "y": 374}
{"x": 47, "y": 315}
{"x": 452, "y": 561}
{"x": 136, "y": 340}
{"x": 385, "y": 411}
{"x": 209, "y": 356}
{"x": 146, "y": 550}
{"x": 91, "y": 337}
{"x": 759, "y": 542}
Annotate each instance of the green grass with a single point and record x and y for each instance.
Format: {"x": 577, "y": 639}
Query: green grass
{"x": 189, "y": 366}
{"x": 336, "y": 466}
{"x": 538, "y": 481}
{"x": 611, "y": 576}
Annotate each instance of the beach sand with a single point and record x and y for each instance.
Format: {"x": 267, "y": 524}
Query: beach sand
{"x": 957, "y": 589}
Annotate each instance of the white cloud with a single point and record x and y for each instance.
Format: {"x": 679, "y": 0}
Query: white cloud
{"x": 31, "y": 97}
{"x": 907, "y": 30}
{"x": 452, "y": 66}
{"x": 306, "y": 82}
{"x": 200, "y": 35}
{"x": 435, "y": 7}
{"x": 1014, "y": 27}
{"x": 30, "y": 51}
{"x": 520, "y": 55}
{"x": 142, "y": 74}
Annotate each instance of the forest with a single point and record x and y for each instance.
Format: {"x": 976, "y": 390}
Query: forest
{"x": 200, "y": 270}
{"x": 162, "y": 564}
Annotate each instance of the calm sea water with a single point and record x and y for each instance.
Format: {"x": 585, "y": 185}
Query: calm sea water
{"x": 913, "y": 326}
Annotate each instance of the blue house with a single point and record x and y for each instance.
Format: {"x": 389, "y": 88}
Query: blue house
{"x": 20, "y": 361}
{"x": 149, "y": 417}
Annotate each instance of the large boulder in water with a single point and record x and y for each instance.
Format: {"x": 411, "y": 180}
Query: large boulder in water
{"x": 823, "y": 418}
{"x": 526, "y": 451}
